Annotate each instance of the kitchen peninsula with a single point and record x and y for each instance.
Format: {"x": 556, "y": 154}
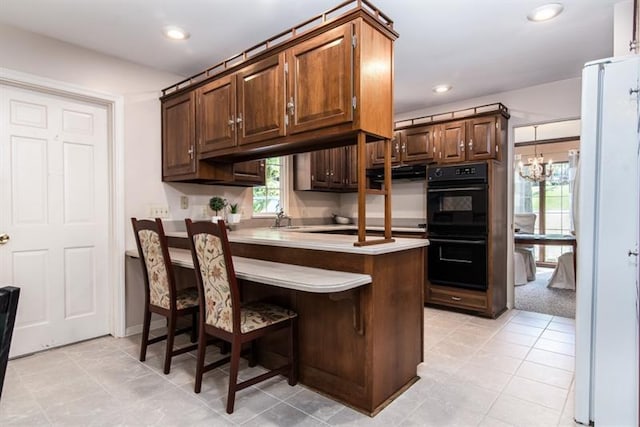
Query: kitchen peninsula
{"x": 360, "y": 346}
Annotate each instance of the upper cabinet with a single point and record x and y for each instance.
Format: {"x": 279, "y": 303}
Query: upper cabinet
{"x": 480, "y": 135}
{"x": 320, "y": 81}
{"x": 328, "y": 80}
{"x": 333, "y": 169}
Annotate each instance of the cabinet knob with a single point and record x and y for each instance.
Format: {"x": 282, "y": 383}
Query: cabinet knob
{"x": 462, "y": 144}
{"x": 232, "y": 123}
{"x": 190, "y": 152}
{"x": 456, "y": 298}
{"x": 239, "y": 121}
{"x": 470, "y": 144}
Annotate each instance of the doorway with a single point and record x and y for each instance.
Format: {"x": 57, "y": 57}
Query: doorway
{"x": 55, "y": 186}
{"x": 543, "y": 202}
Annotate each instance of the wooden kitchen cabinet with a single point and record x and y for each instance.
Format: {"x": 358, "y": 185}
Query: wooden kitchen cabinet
{"x": 409, "y": 146}
{"x": 242, "y": 108}
{"x": 305, "y": 89}
{"x": 179, "y": 158}
{"x": 178, "y": 136}
{"x": 320, "y": 73}
{"x": 334, "y": 169}
{"x": 249, "y": 173}
{"x": 474, "y": 139}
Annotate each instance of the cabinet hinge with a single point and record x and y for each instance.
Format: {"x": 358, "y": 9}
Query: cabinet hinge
{"x": 354, "y": 102}
{"x": 354, "y": 40}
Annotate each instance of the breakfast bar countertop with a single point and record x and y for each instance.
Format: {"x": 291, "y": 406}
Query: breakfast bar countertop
{"x": 311, "y": 237}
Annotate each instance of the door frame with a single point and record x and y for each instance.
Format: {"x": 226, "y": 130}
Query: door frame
{"x": 114, "y": 105}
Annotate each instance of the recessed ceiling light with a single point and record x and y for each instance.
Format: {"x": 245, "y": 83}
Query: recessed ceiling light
{"x": 175, "y": 33}
{"x": 545, "y": 12}
{"x": 442, "y": 88}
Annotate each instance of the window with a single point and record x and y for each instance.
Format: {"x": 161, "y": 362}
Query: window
{"x": 270, "y": 198}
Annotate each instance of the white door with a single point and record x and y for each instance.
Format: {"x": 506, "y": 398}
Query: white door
{"x": 54, "y": 208}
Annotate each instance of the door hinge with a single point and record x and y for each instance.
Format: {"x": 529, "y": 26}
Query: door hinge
{"x": 354, "y": 102}
{"x": 354, "y": 40}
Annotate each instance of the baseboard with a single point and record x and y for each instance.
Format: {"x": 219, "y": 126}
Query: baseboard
{"x": 137, "y": 329}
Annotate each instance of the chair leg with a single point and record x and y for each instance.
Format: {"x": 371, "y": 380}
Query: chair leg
{"x": 171, "y": 332}
{"x": 293, "y": 352}
{"x": 236, "y": 347}
{"x": 226, "y": 348}
{"x": 202, "y": 349}
{"x": 194, "y": 327}
{"x": 146, "y": 324}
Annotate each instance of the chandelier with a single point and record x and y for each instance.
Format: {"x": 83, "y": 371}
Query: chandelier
{"x": 535, "y": 170}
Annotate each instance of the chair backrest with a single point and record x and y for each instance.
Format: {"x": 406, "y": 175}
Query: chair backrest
{"x": 160, "y": 288}
{"x": 215, "y": 276}
{"x": 525, "y": 222}
{"x": 8, "y": 308}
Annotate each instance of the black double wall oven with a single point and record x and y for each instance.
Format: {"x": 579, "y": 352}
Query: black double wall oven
{"x": 457, "y": 225}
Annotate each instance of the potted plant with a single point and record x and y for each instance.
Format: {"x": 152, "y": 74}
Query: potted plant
{"x": 234, "y": 213}
{"x": 217, "y": 204}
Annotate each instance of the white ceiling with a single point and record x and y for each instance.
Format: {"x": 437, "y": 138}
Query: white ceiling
{"x": 478, "y": 46}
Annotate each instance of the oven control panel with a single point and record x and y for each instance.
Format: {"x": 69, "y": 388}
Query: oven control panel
{"x": 471, "y": 171}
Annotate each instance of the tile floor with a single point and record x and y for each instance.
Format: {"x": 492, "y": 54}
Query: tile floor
{"x": 516, "y": 370}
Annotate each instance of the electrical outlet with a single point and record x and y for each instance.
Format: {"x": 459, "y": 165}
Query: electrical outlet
{"x": 184, "y": 202}
{"x": 204, "y": 211}
{"x": 158, "y": 211}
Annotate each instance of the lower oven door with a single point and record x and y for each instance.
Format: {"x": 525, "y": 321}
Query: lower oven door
{"x": 459, "y": 262}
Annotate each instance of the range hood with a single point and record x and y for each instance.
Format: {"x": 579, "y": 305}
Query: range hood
{"x": 409, "y": 172}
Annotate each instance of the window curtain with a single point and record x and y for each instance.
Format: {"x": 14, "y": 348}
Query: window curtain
{"x": 574, "y": 179}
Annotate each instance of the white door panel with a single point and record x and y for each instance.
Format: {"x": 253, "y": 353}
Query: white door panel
{"x": 54, "y": 188}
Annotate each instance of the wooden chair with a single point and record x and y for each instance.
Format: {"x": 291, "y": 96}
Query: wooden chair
{"x": 8, "y": 308}
{"x": 223, "y": 316}
{"x": 161, "y": 295}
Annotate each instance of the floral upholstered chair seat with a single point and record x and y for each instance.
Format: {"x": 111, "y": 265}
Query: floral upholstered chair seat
{"x": 187, "y": 298}
{"x": 259, "y": 315}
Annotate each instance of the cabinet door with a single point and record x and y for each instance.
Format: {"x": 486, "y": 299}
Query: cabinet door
{"x": 481, "y": 142}
{"x": 178, "y": 135}
{"x": 320, "y": 169}
{"x": 417, "y": 144}
{"x": 320, "y": 81}
{"x": 452, "y": 142}
{"x": 377, "y": 150}
{"x": 336, "y": 167}
{"x": 216, "y": 115}
{"x": 351, "y": 165}
{"x": 260, "y": 103}
{"x": 249, "y": 172}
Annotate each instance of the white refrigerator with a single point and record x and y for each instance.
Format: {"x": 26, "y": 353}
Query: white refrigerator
{"x": 606, "y": 382}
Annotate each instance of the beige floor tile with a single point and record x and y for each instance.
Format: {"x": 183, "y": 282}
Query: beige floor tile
{"x": 465, "y": 396}
{"x": 281, "y": 415}
{"x": 519, "y": 412}
{"x": 536, "y": 392}
{"x": 523, "y": 329}
{"x": 314, "y": 404}
{"x": 443, "y": 363}
{"x": 454, "y": 350}
{"x": 554, "y": 360}
{"x": 515, "y": 338}
{"x": 434, "y": 412}
{"x": 556, "y": 346}
{"x": 530, "y": 321}
{"x": 545, "y": 374}
{"x": 496, "y": 362}
{"x": 562, "y": 327}
{"x": 559, "y": 336}
{"x": 560, "y": 319}
{"x": 483, "y": 377}
{"x": 467, "y": 338}
{"x": 535, "y": 315}
{"x": 503, "y": 348}
{"x": 494, "y": 422}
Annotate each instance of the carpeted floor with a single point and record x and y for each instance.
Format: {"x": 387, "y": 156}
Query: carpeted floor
{"x": 535, "y": 296}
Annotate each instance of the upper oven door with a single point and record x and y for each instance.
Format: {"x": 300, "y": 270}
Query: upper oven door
{"x": 457, "y": 208}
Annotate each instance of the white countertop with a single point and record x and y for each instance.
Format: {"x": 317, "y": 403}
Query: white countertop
{"x": 287, "y": 276}
{"x": 303, "y": 238}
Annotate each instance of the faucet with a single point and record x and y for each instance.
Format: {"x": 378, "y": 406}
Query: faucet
{"x": 279, "y": 217}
